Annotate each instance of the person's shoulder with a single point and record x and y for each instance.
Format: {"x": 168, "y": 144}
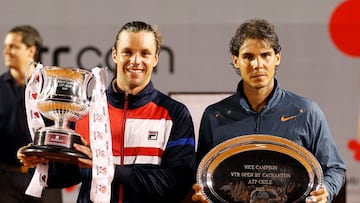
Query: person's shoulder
{"x": 5, "y": 77}
{"x": 165, "y": 100}
{"x": 298, "y": 100}
{"x": 175, "y": 108}
{"x": 223, "y": 103}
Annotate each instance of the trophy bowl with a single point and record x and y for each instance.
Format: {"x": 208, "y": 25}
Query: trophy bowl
{"x": 259, "y": 168}
{"x": 63, "y": 98}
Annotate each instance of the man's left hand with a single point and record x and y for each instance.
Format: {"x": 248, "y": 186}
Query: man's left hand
{"x": 319, "y": 196}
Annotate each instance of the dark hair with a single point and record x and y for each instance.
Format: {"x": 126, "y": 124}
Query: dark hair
{"x": 30, "y": 37}
{"x": 254, "y": 29}
{"x": 137, "y": 26}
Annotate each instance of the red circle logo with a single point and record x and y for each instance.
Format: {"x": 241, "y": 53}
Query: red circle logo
{"x": 344, "y": 27}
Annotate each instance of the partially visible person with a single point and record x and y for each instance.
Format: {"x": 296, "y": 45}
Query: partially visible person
{"x": 21, "y": 46}
{"x": 152, "y": 135}
{"x": 260, "y": 106}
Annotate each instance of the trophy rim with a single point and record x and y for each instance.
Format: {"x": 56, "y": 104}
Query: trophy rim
{"x": 252, "y": 142}
{"x": 67, "y": 73}
{"x": 68, "y": 68}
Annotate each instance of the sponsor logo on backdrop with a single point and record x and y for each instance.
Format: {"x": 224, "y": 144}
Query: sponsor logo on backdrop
{"x": 104, "y": 58}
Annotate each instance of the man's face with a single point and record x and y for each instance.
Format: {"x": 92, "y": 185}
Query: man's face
{"x": 16, "y": 54}
{"x": 257, "y": 63}
{"x": 135, "y": 59}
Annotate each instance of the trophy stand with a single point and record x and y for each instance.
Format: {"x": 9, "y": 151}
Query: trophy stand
{"x": 56, "y": 145}
{"x": 63, "y": 97}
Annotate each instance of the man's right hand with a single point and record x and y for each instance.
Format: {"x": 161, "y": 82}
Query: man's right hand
{"x": 29, "y": 161}
{"x": 198, "y": 196}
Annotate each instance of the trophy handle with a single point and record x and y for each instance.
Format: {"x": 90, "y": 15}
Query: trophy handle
{"x": 90, "y": 83}
{"x": 27, "y": 71}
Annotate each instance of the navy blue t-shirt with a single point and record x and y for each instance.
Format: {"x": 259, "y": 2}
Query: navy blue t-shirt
{"x": 14, "y": 131}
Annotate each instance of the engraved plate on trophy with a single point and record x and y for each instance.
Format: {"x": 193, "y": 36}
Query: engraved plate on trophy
{"x": 64, "y": 97}
{"x": 258, "y": 168}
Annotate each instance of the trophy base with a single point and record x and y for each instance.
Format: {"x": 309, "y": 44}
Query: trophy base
{"x": 55, "y": 154}
{"x": 56, "y": 145}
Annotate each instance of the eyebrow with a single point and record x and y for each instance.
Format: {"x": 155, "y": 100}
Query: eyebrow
{"x": 250, "y": 53}
{"x": 129, "y": 49}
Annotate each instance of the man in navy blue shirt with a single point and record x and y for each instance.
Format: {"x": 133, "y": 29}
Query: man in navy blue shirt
{"x": 21, "y": 46}
{"x": 261, "y": 106}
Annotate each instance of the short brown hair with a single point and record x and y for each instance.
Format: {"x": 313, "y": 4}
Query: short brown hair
{"x": 30, "y": 37}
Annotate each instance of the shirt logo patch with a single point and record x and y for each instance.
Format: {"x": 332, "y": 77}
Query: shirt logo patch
{"x": 153, "y": 135}
{"x": 284, "y": 119}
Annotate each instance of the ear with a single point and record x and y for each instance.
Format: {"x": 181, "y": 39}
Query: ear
{"x": 156, "y": 60}
{"x": 32, "y": 51}
{"x": 113, "y": 54}
{"x": 278, "y": 58}
{"x": 235, "y": 61}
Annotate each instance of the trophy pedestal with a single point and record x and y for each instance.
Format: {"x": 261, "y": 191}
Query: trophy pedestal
{"x": 56, "y": 145}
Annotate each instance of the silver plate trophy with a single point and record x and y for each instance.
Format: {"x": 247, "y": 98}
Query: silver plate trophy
{"x": 63, "y": 97}
{"x": 259, "y": 168}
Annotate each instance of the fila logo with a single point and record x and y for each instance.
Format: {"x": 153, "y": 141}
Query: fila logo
{"x": 153, "y": 135}
{"x": 287, "y": 118}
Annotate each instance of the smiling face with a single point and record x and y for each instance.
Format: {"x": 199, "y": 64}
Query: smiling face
{"x": 16, "y": 54}
{"x": 135, "y": 57}
{"x": 257, "y": 64}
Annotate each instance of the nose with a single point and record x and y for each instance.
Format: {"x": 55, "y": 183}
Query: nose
{"x": 135, "y": 59}
{"x": 257, "y": 63}
{"x": 6, "y": 50}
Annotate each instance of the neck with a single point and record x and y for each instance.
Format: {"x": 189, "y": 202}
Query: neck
{"x": 258, "y": 98}
{"x": 126, "y": 88}
{"x": 116, "y": 88}
{"x": 19, "y": 74}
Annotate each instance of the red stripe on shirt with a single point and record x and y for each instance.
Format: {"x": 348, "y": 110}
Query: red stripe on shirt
{"x": 144, "y": 151}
